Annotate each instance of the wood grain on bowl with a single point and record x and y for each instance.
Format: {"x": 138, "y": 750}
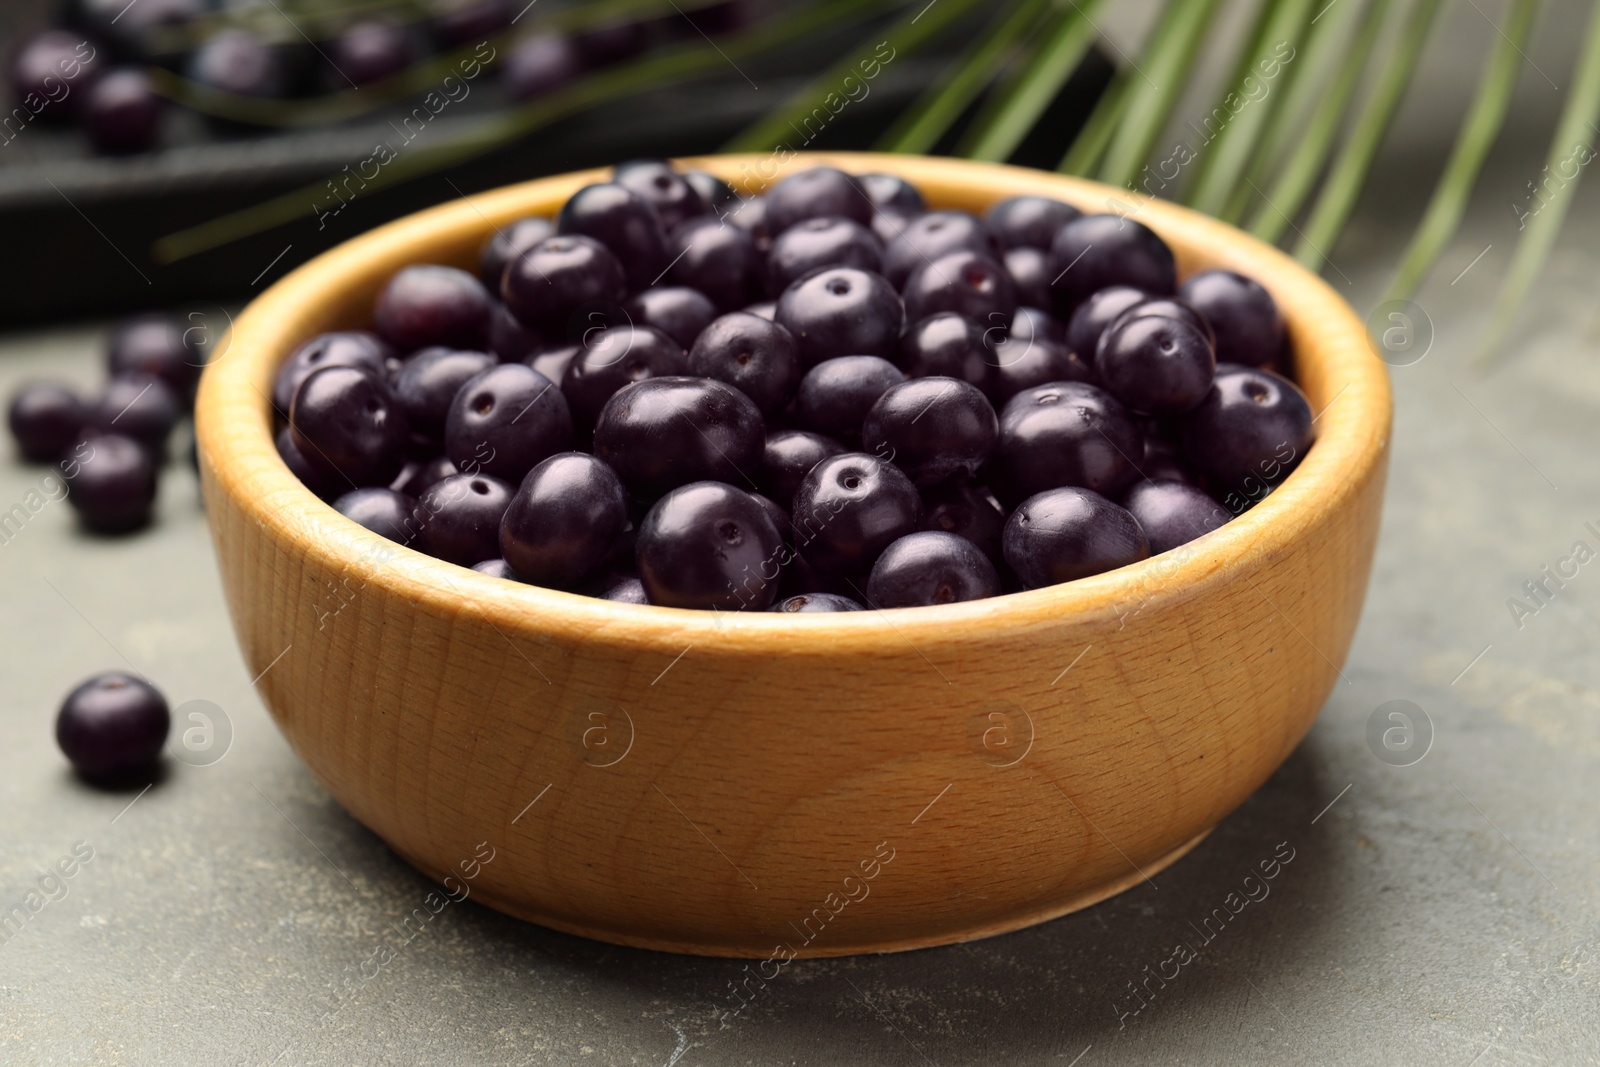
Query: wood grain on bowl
{"x": 822, "y": 784}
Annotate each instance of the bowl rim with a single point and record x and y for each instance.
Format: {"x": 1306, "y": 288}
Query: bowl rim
{"x": 1332, "y": 354}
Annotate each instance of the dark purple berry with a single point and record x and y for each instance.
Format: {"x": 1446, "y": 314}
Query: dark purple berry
{"x": 51, "y": 71}
{"x": 966, "y": 510}
{"x": 934, "y": 429}
{"x": 1249, "y": 431}
{"x": 122, "y": 113}
{"x": 624, "y": 222}
{"x": 115, "y": 486}
{"x": 112, "y": 727}
{"x": 457, "y": 22}
{"x": 344, "y": 349}
{"x": 138, "y": 406}
{"x": 1032, "y": 322}
{"x": 825, "y": 241}
{"x": 710, "y": 546}
{"x": 1155, "y": 364}
{"x": 927, "y": 237}
{"x": 1096, "y": 314}
{"x": 564, "y": 520}
{"x": 1249, "y": 328}
{"x": 1095, "y": 251}
{"x": 1172, "y": 513}
{"x": 890, "y": 192}
{"x": 545, "y": 285}
{"x": 788, "y": 457}
{"x": 509, "y": 340}
{"x": 964, "y": 281}
{"x": 497, "y": 568}
{"x": 757, "y": 357}
{"x": 383, "y": 511}
{"x": 322, "y": 481}
{"x": 815, "y": 602}
{"x": 415, "y": 477}
{"x": 670, "y": 193}
{"x": 620, "y": 589}
{"x": 812, "y": 193}
{"x": 719, "y": 260}
{"x": 750, "y": 215}
{"x": 347, "y": 421}
{"x": 1030, "y": 270}
{"x": 612, "y": 358}
{"x": 1028, "y": 221}
{"x": 767, "y": 309}
{"x": 45, "y": 418}
{"x": 677, "y": 311}
{"x": 946, "y": 345}
{"x": 432, "y": 305}
{"x": 842, "y": 311}
{"x": 241, "y": 63}
{"x": 928, "y": 567}
{"x": 776, "y": 512}
{"x": 509, "y": 242}
{"x": 158, "y": 345}
{"x": 612, "y": 42}
{"x": 1070, "y": 533}
{"x": 716, "y": 193}
{"x": 368, "y": 51}
{"x": 661, "y": 433}
{"x": 429, "y": 381}
{"x": 1065, "y": 433}
{"x": 541, "y": 63}
{"x": 505, "y": 420}
{"x": 458, "y": 518}
{"x": 1021, "y": 362}
{"x": 850, "y": 508}
{"x": 888, "y": 225}
{"x": 553, "y": 362}
{"x": 836, "y": 394}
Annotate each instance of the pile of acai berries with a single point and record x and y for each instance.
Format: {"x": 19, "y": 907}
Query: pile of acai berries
{"x": 825, "y": 398}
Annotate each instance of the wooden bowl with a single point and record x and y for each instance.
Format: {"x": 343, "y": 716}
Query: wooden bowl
{"x": 768, "y": 785}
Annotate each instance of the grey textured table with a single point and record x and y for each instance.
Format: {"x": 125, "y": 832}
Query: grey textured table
{"x": 1441, "y": 913}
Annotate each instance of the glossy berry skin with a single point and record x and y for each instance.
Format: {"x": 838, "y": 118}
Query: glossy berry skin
{"x": 614, "y": 357}
{"x": 890, "y": 192}
{"x": 710, "y": 546}
{"x": 968, "y": 510}
{"x": 1096, "y": 314}
{"x": 836, "y": 394}
{"x": 814, "y": 193}
{"x": 946, "y": 345}
{"x": 429, "y": 381}
{"x": 158, "y": 345}
{"x": 564, "y": 520}
{"x": 385, "y": 512}
{"x": 1095, "y": 251}
{"x": 509, "y": 242}
{"x": 750, "y": 215}
{"x": 325, "y": 483}
{"x": 553, "y": 362}
{"x": 662, "y": 433}
{"x": 1030, "y": 270}
{"x": 1033, "y": 322}
{"x": 368, "y": 51}
{"x": 428, "y": 304}
{"x": 1061, "y": 434}
{"x": 347, "y": 421}
{"x": 841, "y": 311}
{"x": 767, "y": 309}
{"x": 1172, "y": 308}
{"x": 1155, "y": 364}
{"x": 505, "y": 420}
{"x": 619, "y": 589}
{"x": 677, "y": 311}
{"x": 1249, "y": 328}
{"x": 670, "y": 193}
{"x": 54, "y": 59}
{"x": 718, "y": 259}
{"x": 137, "y": 406}
{"x": 1028, "y": 221}
{"x": 850, "y": 508}
{"x": 112, "y": 727}
{"x": 927, "y": 237}
{"x": 416, "y": 477}
{"x": 545, "y": 285}
{"x": 1021, "y": 363}
{"x": 541, "y": 63}
{"x": 509, "y": 340}
{"x": 342, "y": 349}
{"x": 825, "y": 241}
{"x": 717, "y": 194}
{"x": 115, "y": 487}
{"x": 815, "y": 602}
{"x": 1249, "y": 431}
{"x": 45, "y": 418}
{"x": 1172, "y": 513}
{"x": 624, "y": 222}
{"x": 964, "y": 281}
{"x": 757, "y": 357}
{"x": 239, "y": 62}
{"x": 934, "y": 429}
{"x": 788, "y": 457}
{"x": 122, "y": 113}
{"x": 928, "y": 567}
{"x": 497, "y": 568}
{"x": 1065, "y": 534}
{"x": 458, "y": 518}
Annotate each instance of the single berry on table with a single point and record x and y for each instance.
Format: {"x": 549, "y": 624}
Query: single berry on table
{"x": 368, "y": 51}
{"x": 239, "y": 62}
{"x": 112, "y": 726}
{"x": 139, "y": 406}
{"x": 122, "y": 113}
{"x": 49, "y": 61}
{"x": 114, "y": 489}
{"x": 158, "y": 345}
{"x": 46, "y": 418}
{"x": 541, "y": 63}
